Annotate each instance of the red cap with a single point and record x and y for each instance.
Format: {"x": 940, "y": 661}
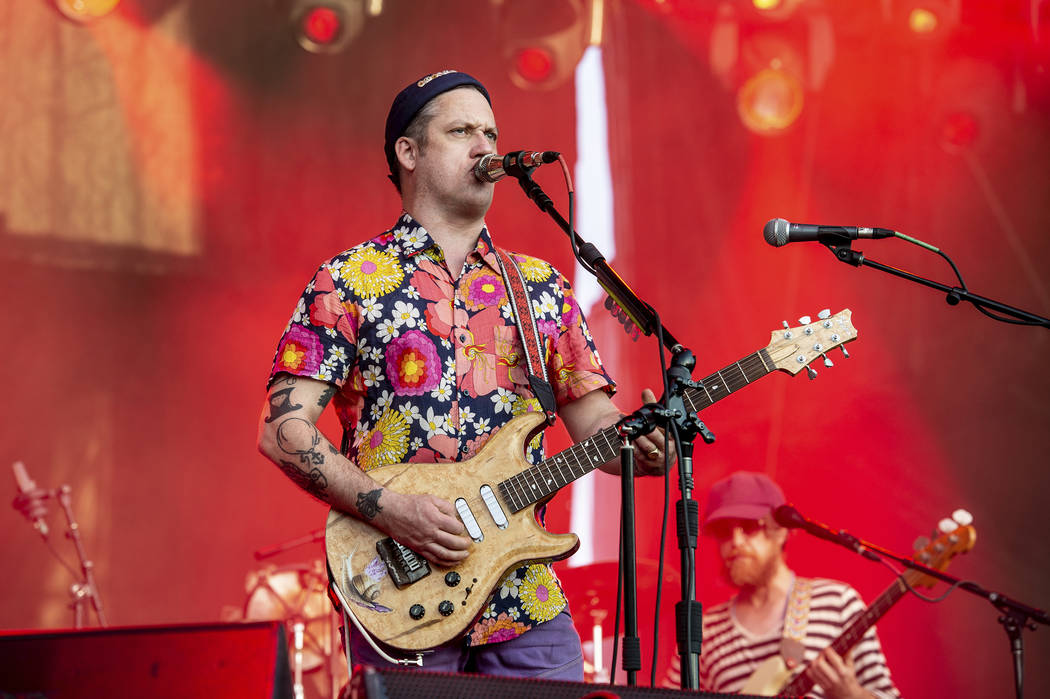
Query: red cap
{"x": 743, "y": 495}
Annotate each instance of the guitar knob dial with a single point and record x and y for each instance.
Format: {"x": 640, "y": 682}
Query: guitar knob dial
{"x": 452, "y": 578}
{"x": 446, "y": 608}
{"x": 416, "y": 611}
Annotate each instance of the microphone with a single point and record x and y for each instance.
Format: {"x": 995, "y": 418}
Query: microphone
{"x": 493, "y": 168}
{"x": 790, "y": 518}
{"x": 32, "y": 505}
{"x": 779, "y": 232}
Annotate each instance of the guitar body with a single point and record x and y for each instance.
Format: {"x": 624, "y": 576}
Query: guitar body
{"x": 768, "y": 678}
{"x": 367, "y": 582}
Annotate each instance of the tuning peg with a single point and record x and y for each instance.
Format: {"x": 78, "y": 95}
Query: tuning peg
{"x": 921, "y": 543}
{"x": 812, "y": 372}
{"x": 963, "y": 517}
{"x": 805, "y": 320}
{"x": 844, "y": 352}
{"x": 827, "y": 361}
{"x": 946, "y": 526}
{"x": 824, "y": 314}
{"x": 786, "y": 326}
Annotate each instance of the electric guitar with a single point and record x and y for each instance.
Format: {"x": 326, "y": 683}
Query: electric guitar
{"x": 774, "y": 678}
{"x": 405, "y": 603}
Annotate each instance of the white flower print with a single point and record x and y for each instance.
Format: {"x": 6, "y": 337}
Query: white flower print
{"x": 411, "y": 412}
{"x": 372, "y": 375}
{"x": 300, "y": 310}
{"x": 545, "y": 305}
{"x": 337, "y": 353}
{"x": 411, "y": 292}
{"x": 504, "y": 400}
{"x": 466, "y": 415}
{"x": 442, "y": 393}
{"x": 433, "y": 424}
{"x": 509, "y": 588}
{"x": 482, "y": 426}
{"x": 384, "y": 398}
{"x": 405, "y": 314}
{"x": 387, "y": 330}
{"x": 371, "y": 309}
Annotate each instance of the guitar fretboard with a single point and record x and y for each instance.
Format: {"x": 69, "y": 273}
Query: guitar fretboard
{"x": 533, "y": 484}
{"x": 853, "y": 633}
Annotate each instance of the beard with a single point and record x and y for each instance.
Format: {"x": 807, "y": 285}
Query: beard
{"x": 750, "y": 571}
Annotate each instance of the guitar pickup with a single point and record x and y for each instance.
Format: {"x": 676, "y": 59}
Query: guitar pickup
{"x": 404, "y": 565}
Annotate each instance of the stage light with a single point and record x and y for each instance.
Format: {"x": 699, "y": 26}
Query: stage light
{"x": 770, "y": 101}
{"x": 922, "y": 21}
{"x": 542, "y": 48}
{"x": 85, "y": 10}
{"x": 770, "y": 68}
{"x": 327, "y": 26}
{"x": 930, "y": 18}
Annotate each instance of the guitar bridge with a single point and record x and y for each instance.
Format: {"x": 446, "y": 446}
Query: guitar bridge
{"x": 404, "y": 564}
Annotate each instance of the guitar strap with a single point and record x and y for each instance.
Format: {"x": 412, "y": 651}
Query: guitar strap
{"x": 796, "y": 618}
{"x": 514, "y": 281}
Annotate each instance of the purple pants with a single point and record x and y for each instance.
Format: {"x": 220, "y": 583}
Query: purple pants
{"x": 550, "y": 650}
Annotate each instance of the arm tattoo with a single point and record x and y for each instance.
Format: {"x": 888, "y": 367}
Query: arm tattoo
{"x": 326, "y": 396}
{"x": 281, "y": 403}
{"x": 312, "y": 481}
{"x": 286, "y": 433}
{"x": 368, "y": 503}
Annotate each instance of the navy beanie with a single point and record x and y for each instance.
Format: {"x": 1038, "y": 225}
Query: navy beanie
{"x": 410, "y": 100}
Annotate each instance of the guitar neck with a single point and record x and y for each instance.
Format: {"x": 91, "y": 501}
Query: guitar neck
{"x": 552, "y": 474}
{"x": 856, "y": 629}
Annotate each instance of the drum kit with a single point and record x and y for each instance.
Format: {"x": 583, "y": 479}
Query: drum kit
{"x": 296, "y": 594}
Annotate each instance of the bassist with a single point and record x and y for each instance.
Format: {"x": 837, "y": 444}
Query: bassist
{"x": 776, "y": 615}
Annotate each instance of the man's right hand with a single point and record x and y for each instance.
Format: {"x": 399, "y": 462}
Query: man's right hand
{"x": 426, "y": 524}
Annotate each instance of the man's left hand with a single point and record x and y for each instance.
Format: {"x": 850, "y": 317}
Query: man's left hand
{"x": 653, "y": 450}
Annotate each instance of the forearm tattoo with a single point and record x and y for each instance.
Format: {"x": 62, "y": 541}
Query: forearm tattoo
{"x": 312, "y": 481}
{"x": 305, "y": 473}
{"x": 368, "y": 503}
{"x": 281, "y": 402}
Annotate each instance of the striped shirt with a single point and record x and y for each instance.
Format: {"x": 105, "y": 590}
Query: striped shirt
{"x": 731, "y": 653}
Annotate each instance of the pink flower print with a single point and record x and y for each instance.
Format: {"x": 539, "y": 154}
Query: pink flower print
{"x": 483, "y": 290}
{"x": 412, "y": 364}
{"x": 300, "y": 352}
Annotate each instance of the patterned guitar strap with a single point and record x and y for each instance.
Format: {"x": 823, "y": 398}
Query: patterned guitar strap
{"x": 796, "y": 618}
{"x": 514, "y": 281}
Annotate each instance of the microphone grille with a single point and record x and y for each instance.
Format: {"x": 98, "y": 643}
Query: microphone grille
{"x": 776, "y": 232}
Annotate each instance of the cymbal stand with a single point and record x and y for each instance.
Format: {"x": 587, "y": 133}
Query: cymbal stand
{"x": 82, "y": 591}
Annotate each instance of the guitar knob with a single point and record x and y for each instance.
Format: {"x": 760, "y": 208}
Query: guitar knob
{"x": 452, "y": 578}
{"x": 805, "y": 320}
{"x": 446, "y": 608}
{"x": 827, "y": 361}
{"x": 824, "y": 314}
{"x": 786, "y": 326}
{"x": 812, "y": 372}
{"x": 844, "y": 352}
{"x": 416, "y": 611}
{"x": 963, "y": 517}
{"x": 947, "y": 525}
{"x": 921, "y": 543}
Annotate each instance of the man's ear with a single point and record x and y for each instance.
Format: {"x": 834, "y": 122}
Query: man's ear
{"x": 406, "y": 150}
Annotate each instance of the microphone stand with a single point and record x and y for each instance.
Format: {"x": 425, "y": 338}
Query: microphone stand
{"x": 676, "y": 419}
{"x": 955, "y": 294}
{"x": 1016, "y": 616}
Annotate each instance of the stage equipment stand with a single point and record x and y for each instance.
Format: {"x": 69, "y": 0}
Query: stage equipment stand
{"x": 954, "y": 295}
{"x": 31, "y": 502}
{"x": 676, "y": 419}
{"x": 1015, "y": 616}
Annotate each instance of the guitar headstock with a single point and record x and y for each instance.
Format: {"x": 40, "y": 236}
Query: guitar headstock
{"x": 792, "y": 349}
{"x": 956, "y": 535}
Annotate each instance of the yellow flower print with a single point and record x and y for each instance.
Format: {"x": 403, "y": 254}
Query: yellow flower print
{"x": 386, "y": 443}
{"x": 535, "y": 270}
{"x": 540, "y": 596}
{"x": 371, "y": 272}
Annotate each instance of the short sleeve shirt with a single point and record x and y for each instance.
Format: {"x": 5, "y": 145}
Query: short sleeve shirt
{"x": 428, "y": 367}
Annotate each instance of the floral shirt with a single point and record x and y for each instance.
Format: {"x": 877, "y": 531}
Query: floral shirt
{"x": 429, "y": 367}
